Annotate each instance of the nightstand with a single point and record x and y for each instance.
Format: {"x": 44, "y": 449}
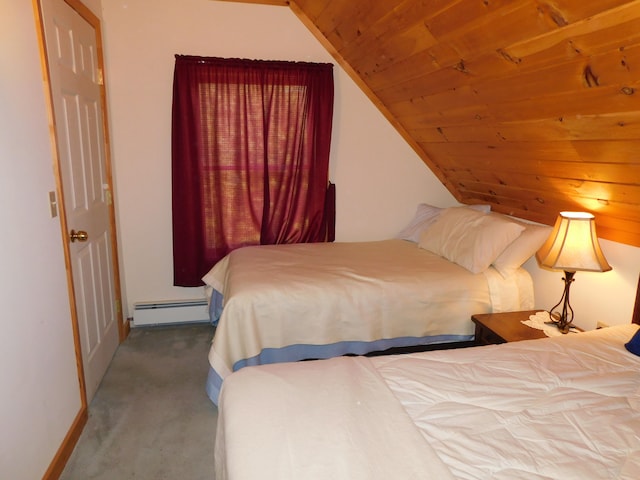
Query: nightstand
{"x": 493, "y": 328}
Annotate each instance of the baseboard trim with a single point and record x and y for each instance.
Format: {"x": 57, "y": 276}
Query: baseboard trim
{"x": 66, "y": 448}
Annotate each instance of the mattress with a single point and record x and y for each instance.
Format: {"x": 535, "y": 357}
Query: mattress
{"x": 294, "y": 302}
{"x": 564, "y": 407}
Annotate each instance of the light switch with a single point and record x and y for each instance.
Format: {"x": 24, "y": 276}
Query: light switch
{"x": 53, "y": 205}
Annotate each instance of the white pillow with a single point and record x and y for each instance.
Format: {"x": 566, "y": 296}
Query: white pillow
{"x": 522, "y": 248}
{"x": 424, "y": 217}
{"x": 469, "y": 238}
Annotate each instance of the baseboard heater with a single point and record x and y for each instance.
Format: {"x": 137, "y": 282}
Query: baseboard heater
{"x": 166, "y": 313}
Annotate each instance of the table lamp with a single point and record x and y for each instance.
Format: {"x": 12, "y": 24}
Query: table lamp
{"x": 572, "y": 246}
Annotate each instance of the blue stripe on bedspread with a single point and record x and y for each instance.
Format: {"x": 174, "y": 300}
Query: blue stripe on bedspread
{"x": 293, "y": 353}
{"x": 215, "y": 307}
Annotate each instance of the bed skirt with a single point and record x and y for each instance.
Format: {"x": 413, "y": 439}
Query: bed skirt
{"x": 292, "y": 353}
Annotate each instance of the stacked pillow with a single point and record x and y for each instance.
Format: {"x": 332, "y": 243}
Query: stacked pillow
{"x": 522, "y": 248}
{"x": 475, "y": 239}
{"x": 424, "y": 217}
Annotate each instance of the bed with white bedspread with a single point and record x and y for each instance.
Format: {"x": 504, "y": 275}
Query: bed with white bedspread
{"x": 283, "y": 303}
{"x": 558, "y": 408}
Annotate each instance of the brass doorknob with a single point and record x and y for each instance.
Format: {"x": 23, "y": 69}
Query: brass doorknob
{"x": 80, "y": 236}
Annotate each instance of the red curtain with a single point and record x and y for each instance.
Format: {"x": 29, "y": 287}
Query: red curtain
{"x": 250, "y": 157}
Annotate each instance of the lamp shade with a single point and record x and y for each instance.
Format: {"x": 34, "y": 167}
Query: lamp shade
{"x": 573, "y": 245}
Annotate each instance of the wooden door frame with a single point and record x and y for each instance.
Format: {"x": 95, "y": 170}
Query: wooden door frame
{"x": 66, "y": 448}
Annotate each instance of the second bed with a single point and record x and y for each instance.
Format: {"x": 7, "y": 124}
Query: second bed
{"x": 311, "y": 301}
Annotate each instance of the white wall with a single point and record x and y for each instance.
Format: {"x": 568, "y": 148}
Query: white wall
{"x": 40, "y": 392}
{"x": 379, "y": 178}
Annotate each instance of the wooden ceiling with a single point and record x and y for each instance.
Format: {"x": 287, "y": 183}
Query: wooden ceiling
{"x": 532, "y": 106}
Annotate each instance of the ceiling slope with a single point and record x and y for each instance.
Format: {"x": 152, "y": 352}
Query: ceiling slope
{"x": 531, "y": 106}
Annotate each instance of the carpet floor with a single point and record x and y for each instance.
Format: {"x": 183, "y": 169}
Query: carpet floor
{"x": 151, "y": 418}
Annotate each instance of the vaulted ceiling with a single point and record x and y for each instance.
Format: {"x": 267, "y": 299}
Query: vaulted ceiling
{"x": 532, "y": 106}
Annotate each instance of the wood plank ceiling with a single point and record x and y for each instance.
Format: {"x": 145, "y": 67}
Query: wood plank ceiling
{"x": 532, "y": 106}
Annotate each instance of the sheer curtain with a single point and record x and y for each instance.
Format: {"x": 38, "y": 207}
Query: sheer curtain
{"x": 250, "y": 157}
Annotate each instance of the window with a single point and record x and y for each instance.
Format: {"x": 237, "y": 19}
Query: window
{"x": 250, "y": 157}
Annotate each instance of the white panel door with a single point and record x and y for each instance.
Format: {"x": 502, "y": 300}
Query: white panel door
{"x": 76, "y": 92}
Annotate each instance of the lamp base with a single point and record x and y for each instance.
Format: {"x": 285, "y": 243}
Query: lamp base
{"x": 563, "y": 318}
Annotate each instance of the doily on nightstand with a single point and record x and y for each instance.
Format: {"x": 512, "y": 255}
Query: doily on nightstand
{"x": 539, "y": 321}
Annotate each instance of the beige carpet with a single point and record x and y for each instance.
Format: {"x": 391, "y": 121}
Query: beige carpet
{"x": 151, "y": 418}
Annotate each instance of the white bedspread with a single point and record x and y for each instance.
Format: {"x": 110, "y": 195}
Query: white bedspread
{"x": 320, "y": 294}
{"x": 561, "y": 408}
{"x": 558, "y": 408}
{"x": 315, "y": 422}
